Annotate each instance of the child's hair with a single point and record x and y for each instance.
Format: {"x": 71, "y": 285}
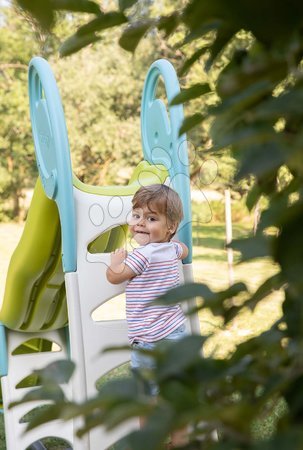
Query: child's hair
{"x": 161, "y": 198}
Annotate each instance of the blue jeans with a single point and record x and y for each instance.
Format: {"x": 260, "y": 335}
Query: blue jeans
{"x": 141, "y": 362}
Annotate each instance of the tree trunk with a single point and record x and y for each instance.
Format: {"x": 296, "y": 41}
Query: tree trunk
{"x": 18, "y": 212}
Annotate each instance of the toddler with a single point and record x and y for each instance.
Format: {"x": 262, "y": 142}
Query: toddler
{"x": 150, "y": 270}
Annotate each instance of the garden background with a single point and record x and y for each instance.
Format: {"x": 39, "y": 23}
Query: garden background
{"x": 240, "y": 72}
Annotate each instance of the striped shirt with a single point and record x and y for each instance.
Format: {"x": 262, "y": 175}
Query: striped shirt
{"x": 156, "y": 269}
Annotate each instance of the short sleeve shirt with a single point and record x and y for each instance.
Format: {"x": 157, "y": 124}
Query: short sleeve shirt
{"x": 157, "y": 270}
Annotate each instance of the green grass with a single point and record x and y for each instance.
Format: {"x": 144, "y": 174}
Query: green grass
{"x": 2, "y": 434}
{"x": 119, "y": 372}
{"x": 210, "y": 267}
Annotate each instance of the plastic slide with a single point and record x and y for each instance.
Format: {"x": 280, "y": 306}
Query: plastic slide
{"x": 56, "y": 277}
{"x": 34, "y": 296}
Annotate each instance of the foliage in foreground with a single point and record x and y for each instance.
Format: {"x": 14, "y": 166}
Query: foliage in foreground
{"x": 259, "y": 116}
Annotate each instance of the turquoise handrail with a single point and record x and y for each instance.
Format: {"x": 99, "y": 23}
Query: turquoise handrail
{"x": 161, "y": 141}
{"x": 52, "y": 152}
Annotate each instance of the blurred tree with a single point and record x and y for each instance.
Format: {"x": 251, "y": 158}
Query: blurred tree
{"x": 101, "y": 96}
{"x": 17, "y": 162}
{"x": 20, "y": 40}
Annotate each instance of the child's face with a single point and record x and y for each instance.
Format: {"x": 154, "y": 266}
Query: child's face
{"x": 147, "y": 226}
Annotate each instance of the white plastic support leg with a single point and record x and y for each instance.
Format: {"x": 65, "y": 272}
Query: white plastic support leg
{"x": 87, "y": 289}
{"x": 19, "y": 367}
{"x": 191, "y": 303}
{"x": 87, "y": 339}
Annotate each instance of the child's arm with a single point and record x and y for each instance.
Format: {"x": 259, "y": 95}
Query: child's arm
{"x": 118, "y": 271}
{"x": 184, "y": 249}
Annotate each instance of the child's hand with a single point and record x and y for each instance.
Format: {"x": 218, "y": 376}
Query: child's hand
{"x": 118, "y": 271}
{"x": 184, "y": 248}
{"x": 117, "y": 257}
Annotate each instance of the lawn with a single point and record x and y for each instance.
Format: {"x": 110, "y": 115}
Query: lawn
{"x": 2, "y": 436}
{"x": 210, "y": 267}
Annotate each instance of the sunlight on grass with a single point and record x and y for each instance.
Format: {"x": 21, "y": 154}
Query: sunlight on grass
{"x": 210, "y": 267}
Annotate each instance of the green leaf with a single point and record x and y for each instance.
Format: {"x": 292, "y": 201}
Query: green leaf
{"x": 289, "y": 246}
{"x": 168, "y": 23}
{"x": 261, "y": 160}
{"x": 188, "y": 94}
{"x": 191, "y": 122}
{"x": 179, "y": 356}
{"x": 244, "y": 98}
{"x": 115, "y": 348}
{"x": 75, "y": 43}
{"x": 112, "y": 413}
{"x": 212, "y": 300}
{"x": 51, "y": 376}
{"x": 201, "y": 30}
{"x": 42, "y": 11}
{"x": 218, "y": 304}
{"x": 47, "y": 414}
{"x": 190, "y": 61}
{"x": 253, "y": 197}
{"x": 57, "y": 372}
{"x": 285, "y": 105}
{"x": 125, "y": 4}
{"x": 254, "y": 247}
{"x": 102, "y": 22}
{"x": 133, "y": 34}
{"x": 208, "y": 370}
{"x": 199, "y": 12}
{"x": 126, "y": 411}
{"x": 275, "y": 212}
{"x": 115, "y": 416}
{"x": 285, "y": 439}
{"x": 234, "y": 78}
{"x": 181, "y": 395}
{"x": 148, "y": 438}
{"x": 191, "y": 290}
{"x": 245, "y": 136}
{"x": 72, "y": 410}
{"x": 184, "y": 292}
{"x": 224, "y": 35}
{"x": 50, "y": 392}
{"x": 271, "y": 284}
{"x": 125, "y": 388}
{"x": 232, "y": 291}
{"x": 76, "y": 6}
{"x": 259, "y": 346}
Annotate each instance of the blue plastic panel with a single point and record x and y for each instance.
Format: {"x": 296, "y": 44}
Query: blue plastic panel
{"x": 3, "y": 352}
{"x": 52, "y": 152}
{"x": 161, "y": 141}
